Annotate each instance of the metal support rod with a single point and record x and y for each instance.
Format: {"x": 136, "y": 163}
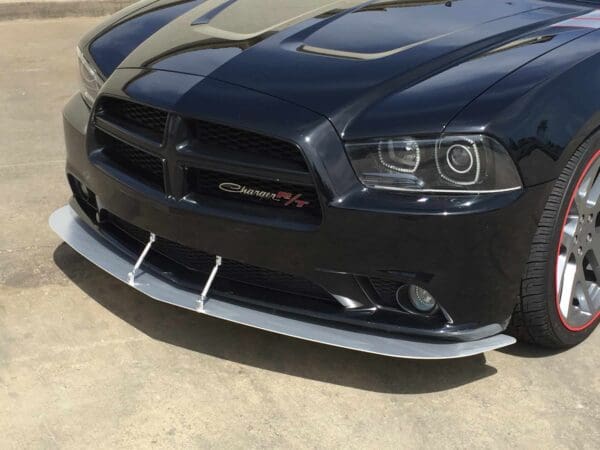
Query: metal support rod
{"x": 131, "y": 275}
{"x": 209, "y": 282}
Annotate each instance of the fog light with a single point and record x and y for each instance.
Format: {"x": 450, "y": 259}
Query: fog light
{"x": 421, "y": 299}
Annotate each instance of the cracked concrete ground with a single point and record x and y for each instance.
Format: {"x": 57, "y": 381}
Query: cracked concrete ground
{"x": 87, "y": 362}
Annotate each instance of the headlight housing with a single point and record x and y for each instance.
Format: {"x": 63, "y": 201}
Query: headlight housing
{"x": 449, "y": 164}
{"x": 90, "y": 80}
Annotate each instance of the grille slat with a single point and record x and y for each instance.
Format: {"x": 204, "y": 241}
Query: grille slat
{"x": 238, "y": 272}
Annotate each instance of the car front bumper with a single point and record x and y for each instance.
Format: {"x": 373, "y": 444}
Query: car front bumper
{"x": 109, "y": 257}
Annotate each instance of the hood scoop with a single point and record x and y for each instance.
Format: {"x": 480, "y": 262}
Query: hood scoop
{"x": 361, "y": 55}
{"x": 385, "y": 28}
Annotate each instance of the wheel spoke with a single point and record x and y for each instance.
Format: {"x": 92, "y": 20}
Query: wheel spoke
{"x": 592, "y": 260}
{"x": 594, "y": 299}
{"x": 568, "y": 237}
{"x": 567, "y": 287}
{"x": 579, "y": 309}
{"x": 589, "y": 189}
{"x": 582, "y": 193}
{"x": 584, "y": 304}
{"x": 593, "y": 195}
{"x": 596, "y": 248}
{"x": 586, "y": 300}
{"x": 567, "y": 245}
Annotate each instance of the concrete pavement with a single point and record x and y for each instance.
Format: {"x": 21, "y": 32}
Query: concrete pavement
{"x": 86, "y": 362}
{"x": 44, "y": 9}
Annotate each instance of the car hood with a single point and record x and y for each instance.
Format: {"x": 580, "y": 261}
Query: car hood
{"x": 342, "y": 58}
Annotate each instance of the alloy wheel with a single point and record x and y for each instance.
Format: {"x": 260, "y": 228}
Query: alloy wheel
{"x": 578, "y": 261}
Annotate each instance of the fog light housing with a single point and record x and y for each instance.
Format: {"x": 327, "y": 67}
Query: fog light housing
{"x": 421, "y": 299}
{"x": 84, "y": 196}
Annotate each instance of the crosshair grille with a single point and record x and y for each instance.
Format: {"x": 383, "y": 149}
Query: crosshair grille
{"x": 198, "y": 156}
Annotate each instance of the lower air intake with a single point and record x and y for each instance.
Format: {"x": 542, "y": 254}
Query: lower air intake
{"x": 202, "y": 262}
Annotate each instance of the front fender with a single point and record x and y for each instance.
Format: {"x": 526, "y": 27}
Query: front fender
{"x": 543, "y": 111}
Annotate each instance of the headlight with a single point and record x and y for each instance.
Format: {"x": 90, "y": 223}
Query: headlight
{"x": 89, "y": 80}
{"x": 461, "y": 164}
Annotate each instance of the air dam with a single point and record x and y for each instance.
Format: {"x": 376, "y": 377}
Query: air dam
{"x": 103, "y": 253}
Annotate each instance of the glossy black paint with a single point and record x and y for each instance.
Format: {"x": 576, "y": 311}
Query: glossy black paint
{"x": 131, "y": 33}
{"x": 519, "y": 71}
{"x": 459, "y": 53}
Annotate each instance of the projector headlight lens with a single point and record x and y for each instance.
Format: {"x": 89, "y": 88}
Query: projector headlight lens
{"x": 461, "y": 158}
{"x": 461, "y": 164}
{"x": 90, "y": 81}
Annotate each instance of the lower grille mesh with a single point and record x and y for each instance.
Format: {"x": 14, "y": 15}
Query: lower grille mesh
{"x": 202, "y": 262}
{"x": 386, "y": 290}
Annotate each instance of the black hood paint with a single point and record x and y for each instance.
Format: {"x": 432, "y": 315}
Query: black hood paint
{"x": 352, "y": 62}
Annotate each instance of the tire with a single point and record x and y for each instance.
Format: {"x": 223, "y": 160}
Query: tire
{"x": 548, "y": 312}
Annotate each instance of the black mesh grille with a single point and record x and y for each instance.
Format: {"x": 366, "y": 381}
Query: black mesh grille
{"x": 386, "y": 290}
{"x": 238, "y": 272}
{"x": 150, "y": 119}
{"x": 233, "y": 142}
{"x": 221, "y": 149}
{"x": 136, "y": 163}
{"x": 294, "y": 198}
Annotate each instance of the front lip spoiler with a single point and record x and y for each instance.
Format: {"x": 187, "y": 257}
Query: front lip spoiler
{"x": 93, "y": 246}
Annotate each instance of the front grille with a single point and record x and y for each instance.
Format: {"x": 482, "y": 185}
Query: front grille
{"x": 199, "y": 156}
{"x": 229, "y": 142}
{"x": 202, "y": 262}
{"x": 136, "y": 163}
{"x": 129, "y": 113}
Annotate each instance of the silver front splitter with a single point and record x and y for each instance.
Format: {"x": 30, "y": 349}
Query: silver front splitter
{"x": 104, "y": 254}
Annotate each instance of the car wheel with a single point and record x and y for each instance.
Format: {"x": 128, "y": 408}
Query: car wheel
{"x": 559, "y": 305}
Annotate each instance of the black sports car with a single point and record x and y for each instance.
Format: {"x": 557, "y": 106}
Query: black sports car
{"x": 409, "y": 178}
